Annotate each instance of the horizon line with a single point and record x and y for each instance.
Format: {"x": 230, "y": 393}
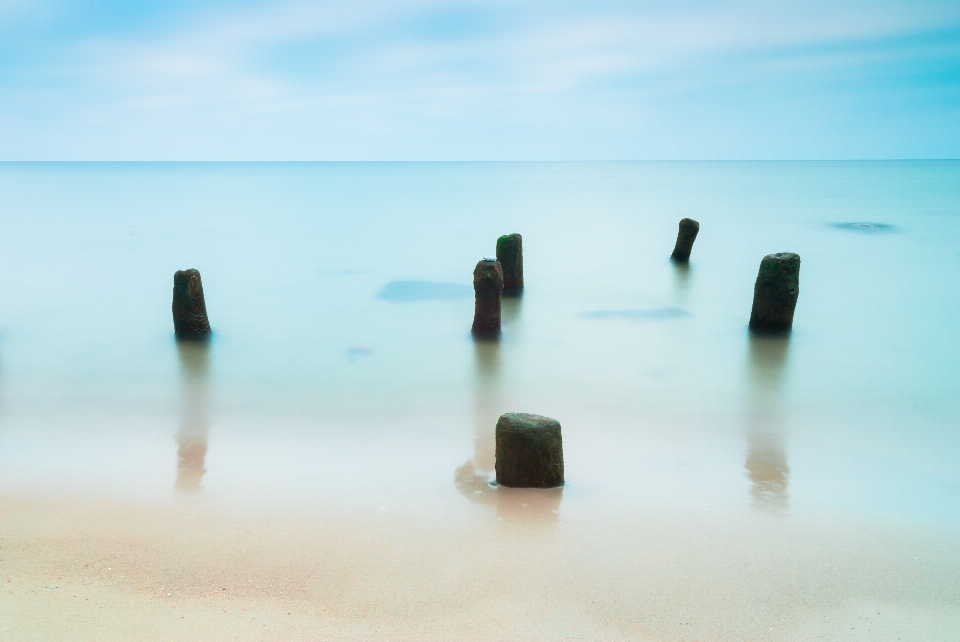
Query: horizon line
{"x": 425, "y": 161}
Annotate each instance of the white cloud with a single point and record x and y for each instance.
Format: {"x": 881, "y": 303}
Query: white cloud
{"x": 538, "y": 63}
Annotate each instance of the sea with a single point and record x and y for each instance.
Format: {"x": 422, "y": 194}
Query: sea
{"x": 342, "y": 382}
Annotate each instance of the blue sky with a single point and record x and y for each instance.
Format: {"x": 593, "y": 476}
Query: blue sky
{"x": 428, "y": 80}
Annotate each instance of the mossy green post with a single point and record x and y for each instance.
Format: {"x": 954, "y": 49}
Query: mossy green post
{"x": 685, "y": 238}
{"x": 488, "y": 290}
{"x": 510, "y": 255}
{"x": 529, "y": 451}
{"x": 189, "y": 309}
{"x": 775, "y": 293}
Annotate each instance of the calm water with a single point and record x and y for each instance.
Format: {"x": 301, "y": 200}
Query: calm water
{"x": 342, "y": 365}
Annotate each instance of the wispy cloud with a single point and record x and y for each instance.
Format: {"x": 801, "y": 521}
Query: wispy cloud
{"x": 430, "y": 79}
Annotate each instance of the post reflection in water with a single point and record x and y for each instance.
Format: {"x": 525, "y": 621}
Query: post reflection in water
{"x": 766, "y": 423}
{"x": 472, "y": 478}
{"x": 194, "y": 415}
{"x": 510, "y": 308}
{"x": 528, "y": 506}
{"x": 681, "y": 280}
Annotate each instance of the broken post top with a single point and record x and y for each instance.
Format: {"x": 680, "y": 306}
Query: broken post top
{"x": 488, "y": 269}
{"x": 529, "y": 451}
{"x": 527, "y": 424}
{"x": 510, "y": 255}
{"x": 685, "y": 238}
{"x": 189, "y": 309}
{"x": 775, "y": 293}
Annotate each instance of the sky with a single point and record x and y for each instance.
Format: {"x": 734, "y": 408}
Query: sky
{"x": 491, "y": 80}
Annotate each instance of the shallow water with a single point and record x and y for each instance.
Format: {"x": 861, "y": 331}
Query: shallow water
{"x": 342, "y": 379}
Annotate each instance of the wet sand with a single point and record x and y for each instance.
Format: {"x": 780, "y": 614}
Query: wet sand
{"x": 189, "y": 571}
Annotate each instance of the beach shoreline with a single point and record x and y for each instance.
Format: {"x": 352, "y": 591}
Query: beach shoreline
{"x": 84, "y": 569}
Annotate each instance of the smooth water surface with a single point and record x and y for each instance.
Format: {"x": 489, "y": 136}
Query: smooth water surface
{"x": 342, "y": 378}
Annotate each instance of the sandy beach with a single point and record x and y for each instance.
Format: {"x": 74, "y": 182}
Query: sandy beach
{"x": 84, "y": 570}
{"x": 462, "y": 321}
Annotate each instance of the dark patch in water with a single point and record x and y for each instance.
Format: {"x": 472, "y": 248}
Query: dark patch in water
{"x": 864, "y": 227}
{"x": 650, "y": 314}
{"x": 414, "y": 291}
{"x": 359, "y": 350}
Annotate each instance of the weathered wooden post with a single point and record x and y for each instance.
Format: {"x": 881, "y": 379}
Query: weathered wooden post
{"x": 189, "y": 310}
{"x": 510, "y": 255}
{"x": 685, "y": 238}
{"x": 488, "y": 290}
{"x": 529, "y": 451}
{"x": 775, "y": 293}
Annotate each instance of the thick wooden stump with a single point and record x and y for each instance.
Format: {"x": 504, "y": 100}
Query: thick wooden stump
{"x": 488, "y": 290}
{"x": 189, "y": 310}
{"x": 529, "y": 451}
{"x": 685, "y": 238}
{"x": 510, "y": 255}
{"x": 775, "y": 293}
